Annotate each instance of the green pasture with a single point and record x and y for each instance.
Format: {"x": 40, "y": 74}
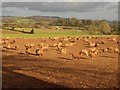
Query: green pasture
{"x": 47, "y": 33}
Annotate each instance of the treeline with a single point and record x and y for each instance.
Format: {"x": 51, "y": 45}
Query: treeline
{"x": 91, "y": 26}
{"x": 26, "y": 22}
{"x": 23, "y": 25}
{"x": 85, "y": 25}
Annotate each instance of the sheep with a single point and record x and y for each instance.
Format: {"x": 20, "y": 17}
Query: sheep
{"x": 45, "y": 47}
{"x": 59, "y": 48}
{"x": 49, "y": 37}
{"x": 67, "y": 45}
{"x": 42, "y": 44}
{"x": 105, "y": 50}
{"x": 31, "y": 45}
{"x": 39, "y": 52}
{"x": 76, "y": 56}
{"x": 71, "y": 44}
{"x": 110, "y": 49}
{"x": 77, "y": 38}
{"x": 63, "y": 51}
{"x": 92, "y": 55}
{"x": 116, "y": 50}
{"x": 16, "y": 48}
{"x": 9, "y": 46}
{"x": 84, "y": 52}
{"x": 92, "y": 49}
{"x": 27, "y": 48}
{"x": 27, "y": 51}
{"x": 89, "y": 37}
{"x": 52, "y": 39}
{"x": 66, "y": 39}
{"x": 1, "y": 48}
{"x": 4, "y": 42}
{"x": 86, "y": 40}
{"x": 59, "y": 44}
{"x": 96, "y": 52}
{"x": 54, "y": 45}
{"x": 7, "y": 38}
{"x": 72, "y": 41}
{"x": 93, "y": 44}
{"x": 12, "y": 42}
{"x": 114, "y": 39}
{"x": 118, "y": 42}
{"x": 43, "y": 40}
{"x": 103, "y": 42}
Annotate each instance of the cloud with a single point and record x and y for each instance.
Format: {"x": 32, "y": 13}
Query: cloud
{"x": 60, "y": 0}
{"x": 94, "y": 10}
{"x": 58, "y": 6}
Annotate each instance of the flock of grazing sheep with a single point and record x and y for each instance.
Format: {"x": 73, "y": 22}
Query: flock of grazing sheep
{"x": 61, "y": 44}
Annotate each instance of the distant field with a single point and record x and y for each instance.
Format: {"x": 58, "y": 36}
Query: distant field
{"x": 44, "y": 33}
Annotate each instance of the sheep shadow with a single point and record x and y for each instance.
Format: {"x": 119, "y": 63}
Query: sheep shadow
{"x": 84, "y": 58}
{"x": 25, "y": 57}
{"x": 87, "y": 46}
{"x": 65, "y": 58}
{"x": 107, "y": 56}
{"x": 70, "y": 58}
{"x": 12, "y": 79}
{"x": 23, "y": 53}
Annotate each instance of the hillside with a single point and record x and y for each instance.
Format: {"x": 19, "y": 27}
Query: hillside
{"x": 85, "y": 25}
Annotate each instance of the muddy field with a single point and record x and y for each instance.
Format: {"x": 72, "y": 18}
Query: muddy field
{"x": 58, "y": 66}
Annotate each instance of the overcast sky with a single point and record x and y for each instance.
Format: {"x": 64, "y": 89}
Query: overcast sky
{"x": 83, "y": 10}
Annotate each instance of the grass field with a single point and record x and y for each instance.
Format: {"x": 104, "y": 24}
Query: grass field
{"x": 44, "y": 33}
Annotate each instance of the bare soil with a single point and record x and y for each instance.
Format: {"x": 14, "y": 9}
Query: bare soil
{"x": 55, "y": 70}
